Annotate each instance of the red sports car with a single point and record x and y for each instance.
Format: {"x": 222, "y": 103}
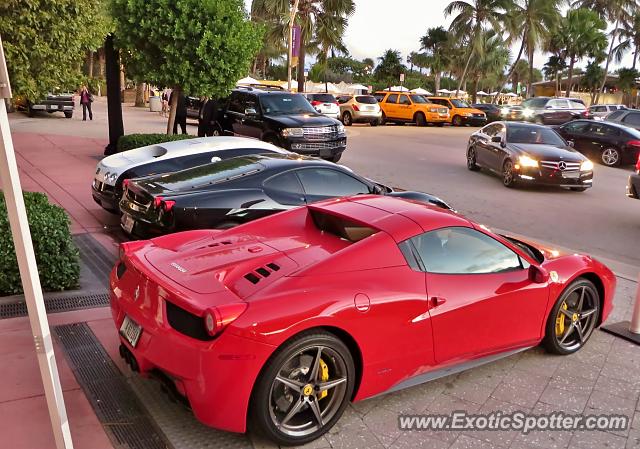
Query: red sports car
{"x": 278, "y": 323}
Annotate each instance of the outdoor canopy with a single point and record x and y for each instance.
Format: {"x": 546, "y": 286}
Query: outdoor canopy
{"x": 421, "y": 91}
{"x": 248, "y": 80}
{"x": 397, "y": 88}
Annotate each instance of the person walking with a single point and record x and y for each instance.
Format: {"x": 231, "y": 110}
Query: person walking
{"x": 165, "y": 103}
{"x": 85, "y": 100}
{"x": 181, "y": 113}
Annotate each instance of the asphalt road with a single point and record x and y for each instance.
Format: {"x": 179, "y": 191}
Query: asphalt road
{"x": 601, "y": 221}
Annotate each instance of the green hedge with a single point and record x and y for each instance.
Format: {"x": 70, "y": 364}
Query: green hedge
{"x": 131, "y": 141}
{"x": 56, "y": 254}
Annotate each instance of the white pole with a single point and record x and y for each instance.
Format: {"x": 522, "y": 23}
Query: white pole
{"x": 10, "y": 183}
{"x": 634, "y": 328}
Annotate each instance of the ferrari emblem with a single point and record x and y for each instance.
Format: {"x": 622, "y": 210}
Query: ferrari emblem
{"x": 307, "y": 390}
{"x": 554, "y": 276}
{"x": 136, "y": 293}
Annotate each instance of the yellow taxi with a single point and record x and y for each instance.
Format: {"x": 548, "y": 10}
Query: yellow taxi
{"x": 460, "y": 113}
{"x": 406, "y": 107}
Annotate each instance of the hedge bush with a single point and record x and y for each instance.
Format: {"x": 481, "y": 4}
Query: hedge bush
{"x": 56, "y": 254}
{"x": 131, "y": 141}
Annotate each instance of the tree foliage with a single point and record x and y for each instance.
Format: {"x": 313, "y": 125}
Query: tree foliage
{"x": 45, "y": 40}
{"x": 200, "y": 46}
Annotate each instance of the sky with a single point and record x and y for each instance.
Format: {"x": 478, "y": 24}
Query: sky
{"x": 378, "y": 25}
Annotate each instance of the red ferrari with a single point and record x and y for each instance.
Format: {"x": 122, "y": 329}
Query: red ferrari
{"x": 278, "y": 323}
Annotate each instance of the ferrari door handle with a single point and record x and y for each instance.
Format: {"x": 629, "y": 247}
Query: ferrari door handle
{"x": 437, "y": 301}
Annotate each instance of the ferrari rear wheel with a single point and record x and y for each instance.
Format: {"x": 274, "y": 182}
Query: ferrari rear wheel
{"x": 303, "y": 390}
{"x": 573, "y": 318}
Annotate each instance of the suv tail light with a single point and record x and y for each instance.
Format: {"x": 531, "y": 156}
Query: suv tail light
{"x": 356, "y": 108}
{"x": 585, "y": 114}
{"x": 315, "y": 103}
{"x": 216, "y": 319}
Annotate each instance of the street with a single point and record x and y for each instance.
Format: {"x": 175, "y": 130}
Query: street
{"x": 601, "y": 221}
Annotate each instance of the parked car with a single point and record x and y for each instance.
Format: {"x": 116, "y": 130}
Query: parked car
{"x": 61, "y": 102}
{"x": 492, "y": 111}
{"x": 401, "y": 108}
{"x": 194, "y": 104}
{"x": 239, "y": 190}
{"x": 284, "y": 119}
{"x": 282, "y": 322}
{"x": 512, "y": 112}
{"x": 523, "y": 153}
{"x": 600, "y": 111}
{"x": 610, "y": 143}
{"x": 113, "y": 171}
{"x": 633, "y": 186}
{"x": 325, "y": 104}
{"x": 553, "y": 111}
{"x": 627, "y": 117}
{"x": 359, "y": 109}
{"x": 460, "y": 113}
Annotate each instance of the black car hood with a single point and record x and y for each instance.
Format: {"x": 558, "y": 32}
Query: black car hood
{"x": 549, "y": 152}
{"x": 301, "y": 120}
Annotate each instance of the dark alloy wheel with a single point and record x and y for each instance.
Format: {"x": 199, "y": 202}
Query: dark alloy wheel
{"x": 68, "y": 114}
{"x": 375, "y": 122}
{"x": 573, "y": 318}
{"x": 303, "y": 389}
{"x": 508, "y": 175}
{"x": 610, "y": 157}
{"x": 421, "y": 120}
{"x": 335, "y": 158}
{"x": 471, "y": 159}
{"x": 457, "y": 120}
{"x": 346, "y": 119}
{"x": 383, "y": 120}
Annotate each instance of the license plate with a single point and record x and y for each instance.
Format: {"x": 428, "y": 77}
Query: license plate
{"x": 571, "y": 175}
{"x": 131, "y": 331}
{"x": 127, "y": 223}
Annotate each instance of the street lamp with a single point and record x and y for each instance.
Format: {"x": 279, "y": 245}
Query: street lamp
{"x": 292, "y": 18}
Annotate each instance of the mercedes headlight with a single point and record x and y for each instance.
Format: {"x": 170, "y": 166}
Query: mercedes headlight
{"x": 293, "y": 132}
{"x": 528, "y": 112}
{"x": 526, "y": 161}
{"x": 586, "y": 165}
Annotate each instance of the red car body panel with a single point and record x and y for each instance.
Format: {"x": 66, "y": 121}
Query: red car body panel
{"x": 365, "y": 292}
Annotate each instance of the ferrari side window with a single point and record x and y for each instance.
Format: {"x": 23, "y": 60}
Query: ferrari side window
{"x": 285, "y": 189}
{"x": 322, "y": 183}
{"x": 459, "y": 250}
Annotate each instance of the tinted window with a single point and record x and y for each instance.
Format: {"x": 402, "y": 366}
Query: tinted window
{"x": 533, "y": 135}
{"x": 279, "y": 104}
{"x": 632, "y": 118}
{"x": 236, "y": 103}
{"x": 558, "y": 104}
{"x": 404, "y": 99}
{"x": 464, "y": 251}
{"x": 210, "y": 174}
{"x": 493, "y": 130}
{"x": 325, "y": 98}
{"x": 344, "y": 99}
{"x": 601, "y": 130}
{"x": 366, "y": 99}
{"x": 536, "y": 103}
{"x": 460, "y": 104}
{"x": 576, "y": 127}
{"x": 330, "y": 183}
{"x": 285, "y": 189}
{"x": 598, "y": 108}
{"x": 392, "y": 98}
{"x": 418, "y": 99}
{"x": 576, "y": 105}
{"x": 378, "y": 97}
{"x": 615, "y": 115}
{"x": 440, "y": 101}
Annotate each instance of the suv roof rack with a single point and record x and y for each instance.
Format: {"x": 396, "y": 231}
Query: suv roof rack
{"x": 260, "y": 87}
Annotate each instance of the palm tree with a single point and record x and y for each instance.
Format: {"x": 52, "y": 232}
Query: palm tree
{"x": 629, "y": 38}
{"x": 531, "y": 22}
{"x": 626, "y": 82}
{"x": 520, "y": 73}
{"x": 592, "y": 78}
{"x": 581, "y": 34}
{"x": 491, "y": 62}
{"x": 553, "y": 69}
{"x": 322, "y": 24}
{"x": 389, "y": 67}
{"x": 435, "y": 42}
{"x": 616, "y": 11}
{"x": 274, "y": 39}
{"x": 472, "y": 19}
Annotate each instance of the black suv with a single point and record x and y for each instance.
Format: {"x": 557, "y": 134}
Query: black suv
{"x": 285, "y": 119}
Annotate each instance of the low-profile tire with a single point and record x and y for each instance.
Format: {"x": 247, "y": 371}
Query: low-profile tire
{"x": 456, "y": 120}
{"x": 610, "y": 157}
{"x": 383, "y": 119}
{"x": 578, "y": 189}
{"x": 375, "y": 122}
{"x": 347, "y": 120}
{"x": 335, "y": 158}
{"x": 421, "y": 120}
{"x": 288, "y": 405}
{"x": 508, "y": 175}
{"x": 573, "y": 318}
{"x": 68, "y": 114}
{"x": 471, "y": 159}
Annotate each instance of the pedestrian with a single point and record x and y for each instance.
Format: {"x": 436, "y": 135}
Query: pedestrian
{"x": 165, "y": 103}
{"x": 181, "y": 112}
{"x": 208, "y": 118}
{"x": 85, "y": 100}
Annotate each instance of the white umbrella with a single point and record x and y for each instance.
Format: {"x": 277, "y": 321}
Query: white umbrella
{"x": 421, "y": 91}
{"x": 444, "y": 91}
{"x": 397, "y": 88}
{"x": 493, "y": 94}
{"x": 248, "y": 80}
{"x": 481, "y": 93}
{"x": 357, "y": 87}
{"x": 511, "y": 94}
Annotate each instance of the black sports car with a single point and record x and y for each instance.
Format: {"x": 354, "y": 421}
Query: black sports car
{"x": 610, "y": 143}
{"x": 528, "y": 153}
{"x": 239, "y": 190}
{"x": 633, "y": 186}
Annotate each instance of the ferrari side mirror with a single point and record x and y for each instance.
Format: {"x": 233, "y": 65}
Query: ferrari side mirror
{"x": 538, "y": 275}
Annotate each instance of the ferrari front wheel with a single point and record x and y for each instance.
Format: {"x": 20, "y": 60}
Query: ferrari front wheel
{"x": 303, "y": 389}
{"x": 573, "y": 318}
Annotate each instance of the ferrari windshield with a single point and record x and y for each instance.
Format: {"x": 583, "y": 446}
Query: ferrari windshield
{"x": 537, "y": 135}
{"x": 279, "y": 104}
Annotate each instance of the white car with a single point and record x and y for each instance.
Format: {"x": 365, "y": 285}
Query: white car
{"x": 167, "y": 157}
{"x": 600, "y": 111}
{"x": 325, "y": 104}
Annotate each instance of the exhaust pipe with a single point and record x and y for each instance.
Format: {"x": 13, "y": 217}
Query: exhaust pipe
{"x": 129, "y": 358}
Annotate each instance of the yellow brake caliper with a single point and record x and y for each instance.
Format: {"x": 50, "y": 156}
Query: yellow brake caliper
{"x": 560, "y": 320}
{"x": 324, "y": 376}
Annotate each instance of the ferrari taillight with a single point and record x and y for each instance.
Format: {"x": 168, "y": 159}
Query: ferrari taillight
{"x": 216, "y": 319}
{"x": 161, "y": 203}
